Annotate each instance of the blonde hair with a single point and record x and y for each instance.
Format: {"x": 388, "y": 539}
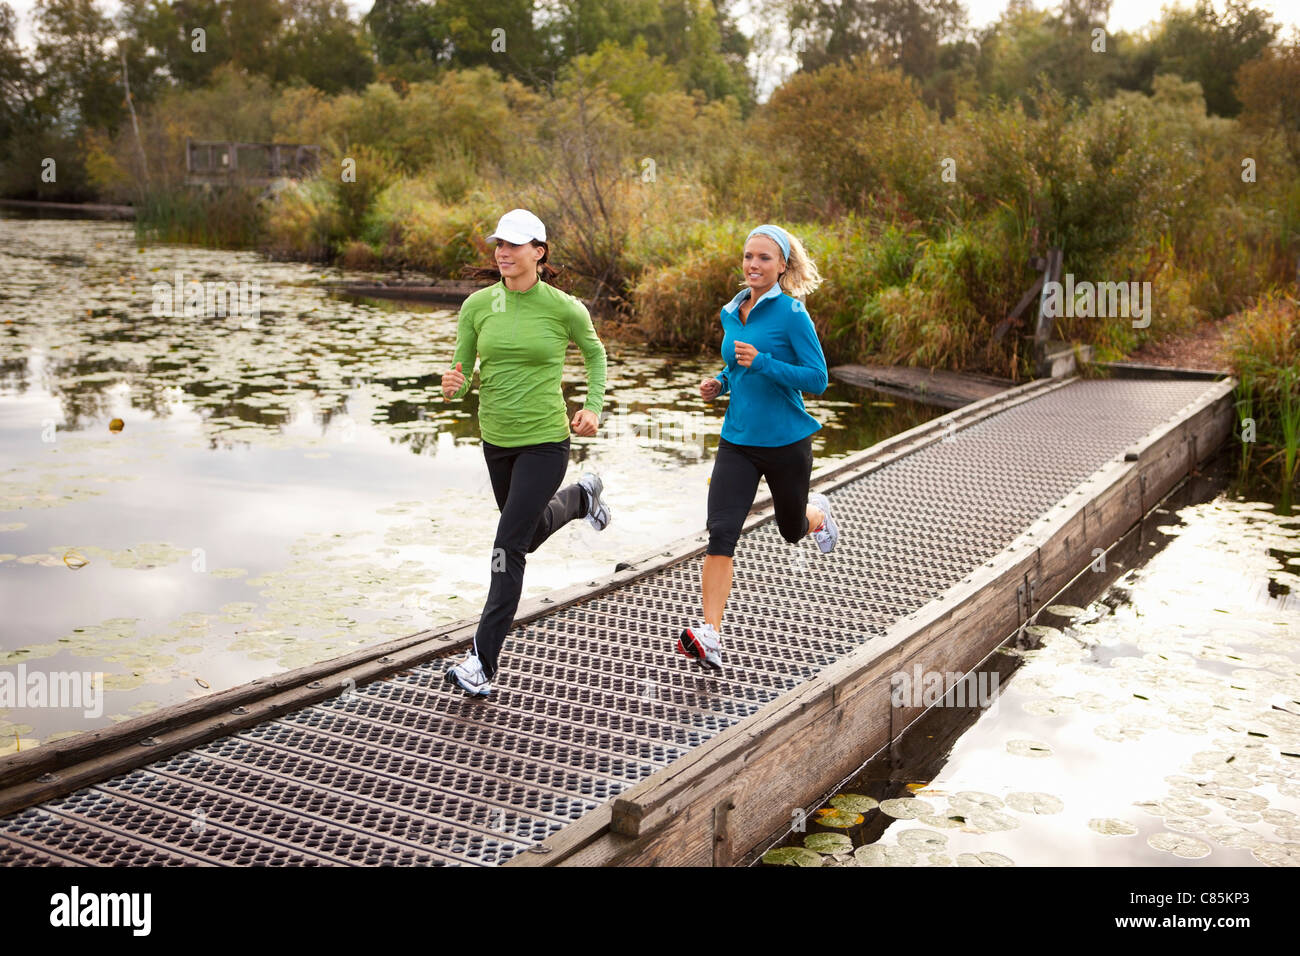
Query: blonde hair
{"x": 801, "y": 276}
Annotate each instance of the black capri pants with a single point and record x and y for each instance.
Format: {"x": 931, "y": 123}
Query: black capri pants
{"x": 734, "y": 484}
{"x": 525, "y": 482}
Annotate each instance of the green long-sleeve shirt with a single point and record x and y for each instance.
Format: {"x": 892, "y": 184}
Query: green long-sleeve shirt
{"x": 520, "y": 339}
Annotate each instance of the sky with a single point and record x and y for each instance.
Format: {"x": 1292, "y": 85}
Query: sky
{"x": 1126, "y": 15}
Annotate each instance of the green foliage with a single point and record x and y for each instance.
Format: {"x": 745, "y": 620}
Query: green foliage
{"x": 1264, "y": 346}
{"x": 678, "y": 298}
{"x": 846, "y": 132}
{"x": 1209, "y": 48}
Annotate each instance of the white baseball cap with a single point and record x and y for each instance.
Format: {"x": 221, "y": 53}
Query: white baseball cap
{"x": 519, "y": 226}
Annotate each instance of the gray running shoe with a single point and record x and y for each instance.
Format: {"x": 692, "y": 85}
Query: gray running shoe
{"x": 468, "y": 676}
{"x": 598, "y": 513}
{"x": 830, "y": 532}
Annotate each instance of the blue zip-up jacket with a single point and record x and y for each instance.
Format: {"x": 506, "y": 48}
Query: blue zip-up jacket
{"x": 766, "y": 406}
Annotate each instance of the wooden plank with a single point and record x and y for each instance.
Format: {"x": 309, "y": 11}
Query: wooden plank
{"x": 138, "y": 750}
{"x": 16, "y": 768}
{"x": 924, "y": 384}
{"x": 1141, "y": 370}
{"x": 96, "y": 210}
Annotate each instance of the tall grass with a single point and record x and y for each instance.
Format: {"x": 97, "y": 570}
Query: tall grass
{"x": 226, "y": 217}
{"x": 1265, "y": 349}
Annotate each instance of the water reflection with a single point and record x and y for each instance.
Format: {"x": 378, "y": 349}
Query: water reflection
{"x": 286, "y": 486}
{"x": 1160, "y": 726}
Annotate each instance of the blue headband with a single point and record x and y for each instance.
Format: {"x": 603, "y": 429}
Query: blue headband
{"x": 775, "y": 233}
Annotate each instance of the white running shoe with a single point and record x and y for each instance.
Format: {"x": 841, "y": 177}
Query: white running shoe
{"x": 703, "y": 644}
{"x": 468, "y": 676}
{"x": 598, "y": 512}
{"x": 830, "y": 532}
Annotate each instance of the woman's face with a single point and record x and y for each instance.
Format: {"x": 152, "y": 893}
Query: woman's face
{"x": 762, "y": 263}
{"x": 517, "y": 262}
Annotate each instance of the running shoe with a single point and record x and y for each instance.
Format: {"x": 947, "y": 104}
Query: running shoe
{"x": 468, "y": 676}
{"x": 598, "y": 512}
{"x": 829, "y": 532}
{"x": 703, "y": 644}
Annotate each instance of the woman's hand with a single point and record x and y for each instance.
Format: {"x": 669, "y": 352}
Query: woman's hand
{"x": 710, "y": 388}
{"x": 452, "y": 381}
{"x": 745, "y": 354}
{"x": 584, "y": 423}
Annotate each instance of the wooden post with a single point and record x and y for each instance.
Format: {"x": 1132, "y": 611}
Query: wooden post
{"x": 126, "y": 84}
{"x": 1052, "y": 273}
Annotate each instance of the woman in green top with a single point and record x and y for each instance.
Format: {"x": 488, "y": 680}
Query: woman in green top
{"x": 520, "y": 329}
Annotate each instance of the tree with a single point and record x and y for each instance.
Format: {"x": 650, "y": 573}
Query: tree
{"x": 415, "y": 39}
{"x": 323, "y": 47}
{"x": 1210, "y": 48}
{"x": 16, "y": 90}
{"x": 1268, "y": 88}
{"x": 77, "y": 63}
{"x": 907, "y": 33}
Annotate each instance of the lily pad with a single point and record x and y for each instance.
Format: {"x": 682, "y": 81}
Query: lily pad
{"x": 792, "y": 856}
{"x": 927, "y": 841}
{"x": 1277, "y": 854}
{"x": 1043, "y": 631}
{"x": 976, "y": 800}
{"x": 1180, "y": 845}
{"x": 828, "y": 842}
{"x": 1067, "y": 611}
{"x": 991, "y": 821}
{"x": 1110, "y": 826}
{"x": 1240, "y": 800}
{"x": 942, "y": 822}
{"x": 1185, "y": 824}
{"x": 1185, "y": 807}
{"x": 1049, "y": 707}
{"x": 1037, "y": 803}
{"x": 986, "y": 858}
{"x": 905, "y": 808}
{"x": 854, "y": 802}
{"x": 1230, "y": 836}
{"x": 843, "y": 819}
{"x": 1028, "y": 748}
{"x": 876, "y": 854}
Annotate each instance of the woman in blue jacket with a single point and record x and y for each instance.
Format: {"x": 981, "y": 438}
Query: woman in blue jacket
{"x": 772, "y": 355}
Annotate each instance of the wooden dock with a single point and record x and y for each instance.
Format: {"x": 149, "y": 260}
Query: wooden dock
{"x": 940, "y": 387}
{"x": 601, "y": 745}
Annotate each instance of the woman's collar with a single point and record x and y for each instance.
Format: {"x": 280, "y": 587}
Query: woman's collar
{"x": 743, "y": 294}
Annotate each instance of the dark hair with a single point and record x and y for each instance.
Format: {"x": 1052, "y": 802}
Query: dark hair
{"x": 545, "y": 271}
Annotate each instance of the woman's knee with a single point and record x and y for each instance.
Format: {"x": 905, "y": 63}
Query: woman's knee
{"x": 793, "y": 527}
{"x": 723, "y": 536}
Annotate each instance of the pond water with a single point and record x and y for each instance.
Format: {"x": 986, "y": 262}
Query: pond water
{"x": 1158, "y": 725}
{"x": 188, "y": 502}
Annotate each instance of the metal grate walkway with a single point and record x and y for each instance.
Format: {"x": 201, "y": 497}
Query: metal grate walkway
{"x": 593, "y": 698}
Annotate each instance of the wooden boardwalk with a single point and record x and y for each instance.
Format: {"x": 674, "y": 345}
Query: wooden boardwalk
{"x": 601, "y": 745}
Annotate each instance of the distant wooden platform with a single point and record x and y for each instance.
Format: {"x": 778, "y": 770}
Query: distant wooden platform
{"x": 949, "y": 389}
{"x": 453, "y": 291}
{"x": 92, "y": 210}
{"x": 450, "y": 291}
